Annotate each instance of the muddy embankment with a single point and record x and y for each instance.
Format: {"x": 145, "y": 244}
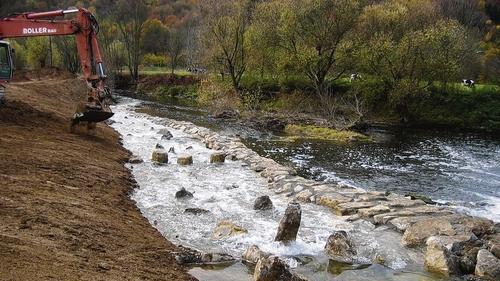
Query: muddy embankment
{"x": 65, "y": 210}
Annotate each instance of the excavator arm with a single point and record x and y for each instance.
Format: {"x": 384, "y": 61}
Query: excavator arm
{"x": 85, "y": 29}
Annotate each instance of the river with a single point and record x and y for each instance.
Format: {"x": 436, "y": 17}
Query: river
{"x": 396, "y": 162}
{"x": 455, "y": 168}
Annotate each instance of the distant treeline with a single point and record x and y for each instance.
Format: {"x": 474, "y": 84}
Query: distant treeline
{"x": 404, "y": 47}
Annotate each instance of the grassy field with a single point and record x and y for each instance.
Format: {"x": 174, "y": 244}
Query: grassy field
{"x": 148, "y": 70}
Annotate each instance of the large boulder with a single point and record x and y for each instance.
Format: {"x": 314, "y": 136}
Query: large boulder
{"x": 253, "y": 254}
{"x": 439, "y": 257}
{"x": 274, "y": 269}
{"x": 159, "y": 156}
{"x": 339, "y": 247}
{"x": 184, "y": 159}
{"x": 418, "y": 233}
{"x": 452, "y": 255}
{"x": 289, "y": 223}
{"x": 217, "y": 157}
{"x": 183, "y": 193}
{"x": 487, "y": 266}
{"x": 226, "y": 229}
{"x": 263, "y": 203}
{"x": 495, "y": 250}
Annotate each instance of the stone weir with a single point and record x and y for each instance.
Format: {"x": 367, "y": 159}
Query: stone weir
{"x": 454, "y": 244}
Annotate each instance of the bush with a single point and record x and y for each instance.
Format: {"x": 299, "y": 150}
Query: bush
{"x": 456, "y": 105}
{"x": 217, "y": 96}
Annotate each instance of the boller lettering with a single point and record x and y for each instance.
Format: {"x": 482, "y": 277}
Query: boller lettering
{"x": 39, "y": 30}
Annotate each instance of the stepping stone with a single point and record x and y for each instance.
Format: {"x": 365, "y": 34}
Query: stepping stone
{"x": 159, "y": 156}
{"x": 185, "y": 159}
{"x": 217, "y": 157}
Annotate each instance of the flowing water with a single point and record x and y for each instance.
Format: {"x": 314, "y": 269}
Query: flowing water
{"x": 228, "y": 192}
{"x": 459, "y": 169}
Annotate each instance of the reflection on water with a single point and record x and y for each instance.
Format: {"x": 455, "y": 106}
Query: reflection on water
{"x": 461, "y": 169}
{"x": 454, "y": 168}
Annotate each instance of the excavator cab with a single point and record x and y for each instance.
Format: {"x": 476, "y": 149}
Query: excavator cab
{"x": 6, "y": 62}
{"x": 6, "y": 67}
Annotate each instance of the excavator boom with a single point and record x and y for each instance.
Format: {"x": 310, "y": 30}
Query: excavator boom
{"x": 85, "y": 29}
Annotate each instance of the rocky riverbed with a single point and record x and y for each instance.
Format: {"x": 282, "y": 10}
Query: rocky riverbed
{"x": 381, "y": 228}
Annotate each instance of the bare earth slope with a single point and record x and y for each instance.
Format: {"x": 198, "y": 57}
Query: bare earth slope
{"x": 65, "y": 213}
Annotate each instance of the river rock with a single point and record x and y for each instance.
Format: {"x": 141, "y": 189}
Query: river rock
{"x": 275, "y": 125}
{"x": 439, "y": 257}
{"x": 495, "y": 250}
{"x": 289, "y": 223}
{"x": 171, "y": 150}
{"x": 253, "y": 254}
{"x": 217, "y": 157}
{"x": 331, "y": 200}
{"x": 488, "y": 266}
{"x": 427, "y": 200}
{"x": 372, "y": 211}
{"x": 263, "y": 203}
{"x": 103, "y": 266}
{"x": 159, "y": 156}
{"x": 196, "y": 211}
{"x": 274, "y": 269}
{"x": 418, "y": 233}
{"x": 159, "y": 146}
{"x": 226, "y": 114}
{"x": 227, "y": 229}
{"x": 184, "y": 159}
{"x": 350, "y": 208}
{"x": 186, "y": 255}
{"x": 183, "y": 193}
{"x": 166, "y": 134}
{"x": 339, "y": 247}
{"x": 304, "y": 196}
{"x": 135, "y": 160}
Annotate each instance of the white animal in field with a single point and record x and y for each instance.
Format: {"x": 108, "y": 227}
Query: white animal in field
{"x": 355, "y": 77}
{"x": 197, "y": 70}
{"x": 469, "y": 83}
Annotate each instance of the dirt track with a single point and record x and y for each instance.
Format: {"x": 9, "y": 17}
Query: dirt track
{"x": 65, "y": 213}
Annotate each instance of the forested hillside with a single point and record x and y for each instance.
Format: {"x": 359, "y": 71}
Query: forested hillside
{"x": 355, "y": 58}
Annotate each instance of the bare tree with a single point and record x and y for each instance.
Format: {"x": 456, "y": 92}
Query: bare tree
{"x": 226, "y": 23}
{"x": 175, "y": 47}
{"x": 130, "y": 16}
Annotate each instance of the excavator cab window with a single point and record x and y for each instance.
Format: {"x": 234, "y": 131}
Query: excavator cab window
{"x": 6, "y": 66}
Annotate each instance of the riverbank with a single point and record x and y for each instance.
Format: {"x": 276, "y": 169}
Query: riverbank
{"x": 64, "y": 203}
{"x": 453, "y": 107}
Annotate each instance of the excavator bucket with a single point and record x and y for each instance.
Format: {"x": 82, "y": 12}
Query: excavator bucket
{"x": 91, "y": 113}
{"x": 92, "y": 116}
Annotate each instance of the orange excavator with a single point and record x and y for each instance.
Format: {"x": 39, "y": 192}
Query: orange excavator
{"x": 85, "y": 29}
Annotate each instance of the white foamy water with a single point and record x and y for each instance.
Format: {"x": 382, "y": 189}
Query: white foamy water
{"x": 228, "y": 192}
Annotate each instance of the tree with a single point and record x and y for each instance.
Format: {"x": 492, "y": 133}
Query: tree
{"x": 175, "y": 47}
{"x": 129, "y": 17}
{"x": 68, "y": 51}
{"x": 112, "y": 46}
{"x": 409, "y": 46}
{"x": 226, "y": 23}
{"x": 158, "y": 39}
{"x": 155, "y": 36}
{"x": 37, "y": 51}
{"x": 313, "y": 34}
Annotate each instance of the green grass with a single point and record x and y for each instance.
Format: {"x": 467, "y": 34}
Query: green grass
{"x": 149, "y": 70}
{"x": 314, "y": 132}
